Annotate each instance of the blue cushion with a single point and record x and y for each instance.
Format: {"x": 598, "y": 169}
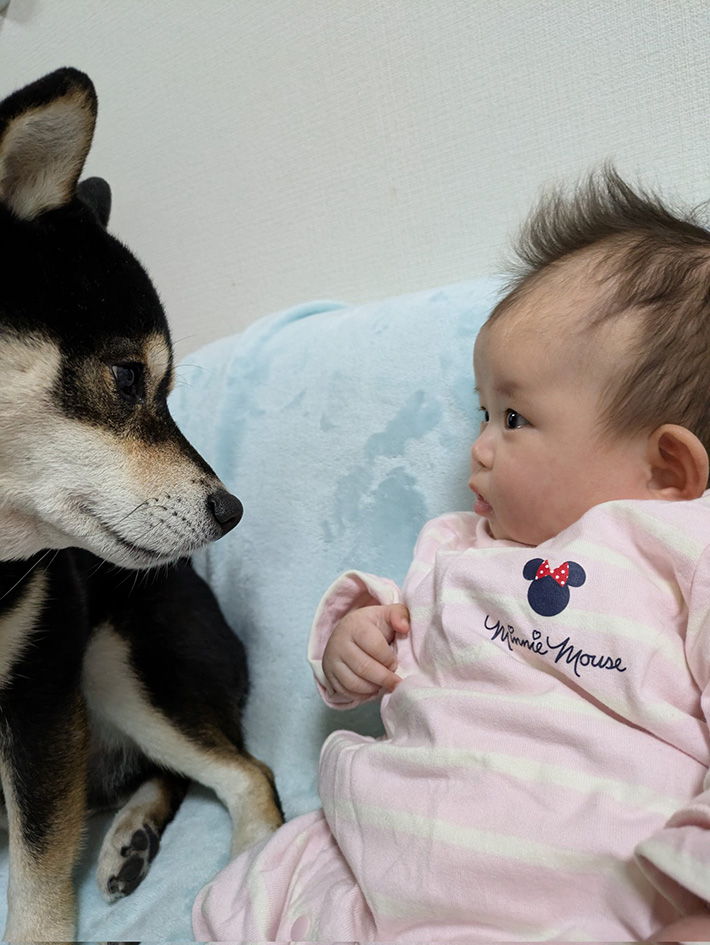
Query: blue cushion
{"x": 342, "y": 430}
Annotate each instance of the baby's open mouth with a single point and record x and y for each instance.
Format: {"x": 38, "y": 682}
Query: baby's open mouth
{"x": 481, "y": 506}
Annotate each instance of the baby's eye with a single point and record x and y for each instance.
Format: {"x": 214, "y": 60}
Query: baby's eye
{"x": 486, "y": 415}
{"x": 514, "y": 421}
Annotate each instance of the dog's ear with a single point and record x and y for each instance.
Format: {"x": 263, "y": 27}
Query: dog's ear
{"x": 95, "y": 193}
{"x": 45, "y": 134}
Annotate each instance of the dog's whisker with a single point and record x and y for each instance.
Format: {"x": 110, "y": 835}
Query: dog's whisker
{"x": 189, "y": 337}
{"x": 28, "y": 572}
{"x": 193, "y": 367}
{"x": 98, "y": 565}
{"x": 187, "y": 531}
{"x": 128, "y": 514}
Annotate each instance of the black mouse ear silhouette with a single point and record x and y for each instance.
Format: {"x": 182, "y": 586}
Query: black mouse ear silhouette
{"x": 577, "y": 574}
{"x": 530, "y": 569}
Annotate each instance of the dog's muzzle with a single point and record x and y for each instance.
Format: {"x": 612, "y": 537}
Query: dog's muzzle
{"x": 226, "y": 509}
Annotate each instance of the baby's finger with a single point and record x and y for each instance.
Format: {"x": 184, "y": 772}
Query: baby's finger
{"x": 391, "y": 619}
{"x": 399, "y": 618}
{"x": 348, "y": 683}
{"x": 375, "y": 670}
{"x": 373, "y": 644}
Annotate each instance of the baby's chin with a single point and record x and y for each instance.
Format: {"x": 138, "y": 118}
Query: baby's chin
{"x": 523, "y": 533}
{"x": 534, "y": 533}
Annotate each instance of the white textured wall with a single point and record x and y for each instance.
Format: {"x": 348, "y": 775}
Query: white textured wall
{"x": 266, "y": 152}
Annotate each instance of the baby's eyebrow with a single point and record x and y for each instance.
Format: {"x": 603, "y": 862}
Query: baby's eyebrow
{"x": 504, "y": 388}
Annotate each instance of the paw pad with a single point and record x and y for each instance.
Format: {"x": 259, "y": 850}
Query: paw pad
{"x": 138, "y": 854}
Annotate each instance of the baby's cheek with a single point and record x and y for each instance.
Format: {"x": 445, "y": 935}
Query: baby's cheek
{"x": 568, "y": 509}
{"x": 533, "y": 521}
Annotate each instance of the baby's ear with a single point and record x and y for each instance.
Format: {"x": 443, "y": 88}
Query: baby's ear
{"x": 678, "y": 462}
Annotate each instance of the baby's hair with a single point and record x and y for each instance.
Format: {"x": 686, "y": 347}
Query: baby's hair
{"x": 653, "y": 264}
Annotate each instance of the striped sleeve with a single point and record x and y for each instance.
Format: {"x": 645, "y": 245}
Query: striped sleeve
{"x": 350, "y": 591}
{"x": 677, "y": 858}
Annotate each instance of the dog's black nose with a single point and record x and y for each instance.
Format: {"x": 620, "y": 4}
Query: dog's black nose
{"x": 226, "y": 508}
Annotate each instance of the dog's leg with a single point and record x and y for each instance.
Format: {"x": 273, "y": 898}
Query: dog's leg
{"x": 246, "y": 788}
{"x": 44, "y": 752}
{"x": 134, "y": 837}
{"x": 200, "y": 748}
{"x": 44, "y": 783}
{"x": 244, "y": 785}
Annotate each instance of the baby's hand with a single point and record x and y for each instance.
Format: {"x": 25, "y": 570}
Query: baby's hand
{"x": 358, "y": 660}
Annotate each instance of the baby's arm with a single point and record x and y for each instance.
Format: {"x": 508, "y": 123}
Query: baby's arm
{"x": 359, "y": 659}
{"x": 352, "y": 592}
{"x": 677, "y": 857}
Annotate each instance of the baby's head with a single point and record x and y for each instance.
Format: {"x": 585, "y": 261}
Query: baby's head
{"x": 593, "y": 371}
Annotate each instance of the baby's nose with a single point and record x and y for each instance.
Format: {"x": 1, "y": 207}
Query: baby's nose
{"x": 481, "y": 453}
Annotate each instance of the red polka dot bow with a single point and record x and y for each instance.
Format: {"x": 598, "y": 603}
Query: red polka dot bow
{"x": 561, "y": 574}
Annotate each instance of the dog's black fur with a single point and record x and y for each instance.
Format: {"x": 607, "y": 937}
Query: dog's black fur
{"x": 115, "y": 688}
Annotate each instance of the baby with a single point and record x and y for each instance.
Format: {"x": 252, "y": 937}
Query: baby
{"x": 545, "y": 669}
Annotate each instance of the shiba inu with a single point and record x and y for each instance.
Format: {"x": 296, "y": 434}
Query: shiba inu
{"x": 114, "y": 691}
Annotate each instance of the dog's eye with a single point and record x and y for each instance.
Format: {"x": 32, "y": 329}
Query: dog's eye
{"x": 129, "y": 380}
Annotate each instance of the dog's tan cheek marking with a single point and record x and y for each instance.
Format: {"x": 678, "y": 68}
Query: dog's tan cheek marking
{"x": 30, "y": 368}
{"x": 153, "y": 464}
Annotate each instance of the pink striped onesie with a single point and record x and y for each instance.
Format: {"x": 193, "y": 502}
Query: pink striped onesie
{"x": 543, "y": 768}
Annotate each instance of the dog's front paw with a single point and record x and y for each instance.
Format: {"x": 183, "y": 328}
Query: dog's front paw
{"x": 125, "y": 861}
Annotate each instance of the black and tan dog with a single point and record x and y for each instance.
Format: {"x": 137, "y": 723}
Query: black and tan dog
{"x": 114, "y": 692}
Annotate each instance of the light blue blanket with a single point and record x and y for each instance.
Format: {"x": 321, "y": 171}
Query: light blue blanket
{"x": 342, "y": 430}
